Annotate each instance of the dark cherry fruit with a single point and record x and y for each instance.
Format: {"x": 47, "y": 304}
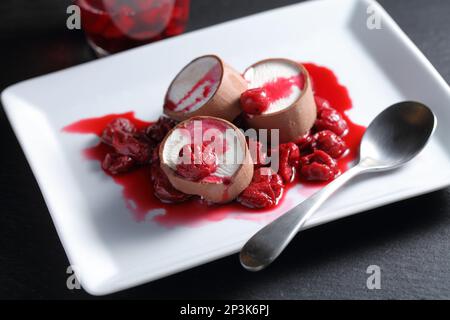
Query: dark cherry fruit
{"x": 266, "y": 175}
{"x": 289, "y": 155}
{"x": 154, "y": 158}
{"x": 115, "y": 163}
{"x": 330, "y": 143}
{"x": 117, "y": 126}
{"x": 254, "y": 101}
{"x": 305, "y": 143}
{"x": 122, "y": 135}
{"x": 321, "y": 103}
{"x": 329, "y": 119}
{"x": 264, "y": 191}
{"x": 160, "y": 128}
{"x": 162, "y": 188}
{"x": 129, "y": 145}
{"x": 197, "y": 161}
{"x": 318, "y": 166}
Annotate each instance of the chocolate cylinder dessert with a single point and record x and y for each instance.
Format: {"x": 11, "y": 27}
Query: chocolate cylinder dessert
{"x": 207, "y": 86}
{"x": 280, "y": 97}
{"x": 208, "y": 157}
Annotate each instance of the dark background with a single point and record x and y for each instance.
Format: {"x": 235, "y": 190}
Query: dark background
{"x": 409, "y": 240}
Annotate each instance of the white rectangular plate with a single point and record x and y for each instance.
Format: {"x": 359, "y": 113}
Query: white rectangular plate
{"x": 111, "y": 251}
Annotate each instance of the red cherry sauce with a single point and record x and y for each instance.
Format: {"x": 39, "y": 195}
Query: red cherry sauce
{"x": 138, "y": 191}
{"x": 137, "y": 188}
{"x": 326, "y": 85}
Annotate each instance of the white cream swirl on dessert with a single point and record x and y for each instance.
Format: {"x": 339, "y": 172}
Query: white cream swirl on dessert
{"x": 281, "y": 80}
{"x": 194, "y": 85}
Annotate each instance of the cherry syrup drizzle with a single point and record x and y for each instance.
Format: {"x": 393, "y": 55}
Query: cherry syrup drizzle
{"x": 137, "y": 188}
{"x": 282, "y": 87}
{"x": 209, "y": 80}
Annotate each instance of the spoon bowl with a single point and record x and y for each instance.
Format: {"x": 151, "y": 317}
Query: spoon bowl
{"x": 397, "y": 135}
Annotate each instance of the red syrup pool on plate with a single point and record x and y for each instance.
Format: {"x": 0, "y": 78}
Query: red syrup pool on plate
{"x": 326, "y": 85}
{"x": 137, "y": 189}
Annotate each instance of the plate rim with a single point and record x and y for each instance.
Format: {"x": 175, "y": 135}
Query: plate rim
{"x": 108, "y": 287}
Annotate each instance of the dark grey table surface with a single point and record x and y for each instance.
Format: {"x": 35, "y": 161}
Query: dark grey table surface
{"x": 409, "y": 240}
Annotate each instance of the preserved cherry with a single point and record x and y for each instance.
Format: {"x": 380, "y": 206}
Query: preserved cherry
{"x": 264, "y": 191}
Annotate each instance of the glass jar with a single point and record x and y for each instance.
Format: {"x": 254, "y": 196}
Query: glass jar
{"x": 115, "y": 25}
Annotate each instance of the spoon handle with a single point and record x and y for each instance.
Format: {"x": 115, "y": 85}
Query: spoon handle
{"x": 267, "y": 244}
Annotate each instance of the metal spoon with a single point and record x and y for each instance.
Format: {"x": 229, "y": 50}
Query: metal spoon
{"x": 393, "y": 138}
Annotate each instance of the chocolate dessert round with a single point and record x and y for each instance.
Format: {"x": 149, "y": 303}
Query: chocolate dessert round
{"x": 207, "y": 86}
{"x": 222, "y": 167}
{"x": 286, "y": 89}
